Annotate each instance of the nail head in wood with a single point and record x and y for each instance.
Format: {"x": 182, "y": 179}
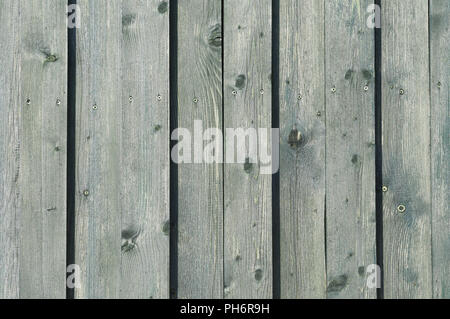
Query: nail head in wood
{"x": 401, "y": 209}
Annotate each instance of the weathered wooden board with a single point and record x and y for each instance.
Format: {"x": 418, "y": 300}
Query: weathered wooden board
{"x": 302, "y": 162}
{"x": 145, "y": 149}
{"x": 98, "y": 149}
{"x": 440, "y": 84}
{"x": 350, "y": 149}
{"x": 247, "y": 192}
{"x": 200, "y": 185}
{"x": 406, "y": 150}
{"x": 33, "y": 84}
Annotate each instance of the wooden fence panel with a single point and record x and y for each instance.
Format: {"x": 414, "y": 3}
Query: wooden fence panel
{"x": 247, "y": 192}
{"x": 98, "y": 147}
{"x": 200, "y": 185}
{"x": 33, "y": 86}
{"x": 440, "y": 78}
{"x": 350, "y": 149}
{"x": 302, "y": 160}
{"x": 406, "y": 150}
{"x": 122, "y": 143}
{"x": 224, "y": 246}
{"x": 145, "y": 158}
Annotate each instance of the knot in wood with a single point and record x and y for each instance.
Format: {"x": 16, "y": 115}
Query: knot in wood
{"x": 295, "y": 138}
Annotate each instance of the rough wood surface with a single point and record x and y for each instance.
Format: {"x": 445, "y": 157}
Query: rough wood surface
{"x": 247, "y": 193}
{"x": 200, "y": 185}
{"x": 98, "y": 149}
{"x": 302, "y": 166}
{"x": 406, "y": 150}
{"x": 440, "y": 84}
{"x": 145, "y": 150}
{"x": 33, "y": 149}
{"x": 350, "y": 149}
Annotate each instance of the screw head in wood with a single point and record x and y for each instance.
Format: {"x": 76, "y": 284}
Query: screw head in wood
{"x": 234, "y": 92}
{"x": 402, "y": 92}
{"x": 159, "y": 97}
{"x": 333, "y": 90}
{"x": 384, "y": 189}
{"x": 401, "y": 208}
{"x": 130, "y": 98}
{"x": 94, "y": 107}
{"x": 58, "y": 102}
{"x": 195, "y": 100}
{"x": 366, "y": 88}
{"x": 439, "y": 84}
{"x": 86, "y": 192}
{"x": 28, "y": 101}
{"x": 299, "y": 97}
{"x": 261, "y": 91}
{"x": 319, "y": 113}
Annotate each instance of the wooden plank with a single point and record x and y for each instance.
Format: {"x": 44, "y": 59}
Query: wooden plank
{"x": 302, "y": 165}
{"x": 350, "y": 149}
{"x": 145, "y": 149}
{"x": 406, "y": 150}
{"x": 247, "y": 193}
{"x": 200, "y": 186}
{"x": 98, "y": 147}
{"x": 9, "y": 150}
{"x": 440, "y": 83}
{"x": 33, "y": 148}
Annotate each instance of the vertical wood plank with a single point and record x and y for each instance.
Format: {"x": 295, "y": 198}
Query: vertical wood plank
{"x": 350, "y": 149}
{"x": 10, "y": 109}
{"x": 302, "y": 163}
{"x": 145, "y": 149}
{"x": 33, "y": 147}
{"x": 440, "y": 83}
{"x": 98, "y": 139}
{"x": 247, "y": 104}
{"x": 200, "y": 185}
{"x": 406, "y": 150}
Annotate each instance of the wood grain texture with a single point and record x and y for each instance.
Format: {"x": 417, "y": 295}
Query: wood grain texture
{"x": 302, "y": 165}
{"x": 10, "y": 109}
{"x": 98, "y": 149}
{"x": 440, "y": 84}
{"x": 350, "y": 149}
{"x": 247, "y": 193}
{"x": 200, "y": 185}
{"x": 406, "y": 150}
{"x": 33, "y": 147}
{"x": 145, "y": 150}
